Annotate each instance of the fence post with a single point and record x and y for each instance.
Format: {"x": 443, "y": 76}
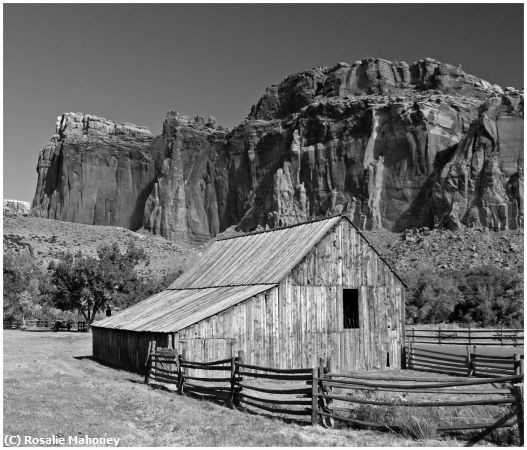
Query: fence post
{"x": 472, "y": 365}
{"x": 469, "y": 341}
{"x": 314, "y": 396}
{"x": 153, "y": 364}
{"x": 517, "y": 392}
{"x": 181, "y": 373}
{"x": 241, "y": 360}
{"x": 403, "y": 358}
{"x": 468, "y": 359}
{"x": 439, "y": 335}
{"x": 501, "y": 335}
{"x": 413, "y": 335}
{"x": 517, "y": 367}
{"x": 148, "y": 356}
{"x": 234, "y": 363}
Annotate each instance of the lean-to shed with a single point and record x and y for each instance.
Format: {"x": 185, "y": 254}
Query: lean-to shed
{"x": 286, "y": 297}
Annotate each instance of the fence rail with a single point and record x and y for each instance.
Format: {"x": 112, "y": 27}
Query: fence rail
{"x": 44, "y": 325}
{"x": 313, "y": 399}
{"x": 464, "y": 336}
{"x": 512, "y": 397}
{"x": 471, "y": 363}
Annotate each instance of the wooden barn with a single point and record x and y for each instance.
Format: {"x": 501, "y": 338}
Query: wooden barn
{"x": 286, "y": 297}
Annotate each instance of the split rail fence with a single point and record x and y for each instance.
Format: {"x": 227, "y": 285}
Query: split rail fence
{"x": 464, "y": 336}
{"x": 44, "y": 325}
{"x": 310, "y": 394}
{"x": 472, "y": 363}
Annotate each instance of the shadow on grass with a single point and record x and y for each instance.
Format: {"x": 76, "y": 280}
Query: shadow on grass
{"x": 305, "y": 422}
{"x": 101, "y": 363}
{"x": 222, "y": 401}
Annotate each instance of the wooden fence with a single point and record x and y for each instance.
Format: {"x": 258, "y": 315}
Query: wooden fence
{"x": 472, "y": 363}
{"x": 44, "y": 325}
{"x": 234, "y": 383}
{"x": 350, "y": 387}
{"x": 12, "y": 324}
{"x": 309, "y": 394}
{"x": 464, "y": 336}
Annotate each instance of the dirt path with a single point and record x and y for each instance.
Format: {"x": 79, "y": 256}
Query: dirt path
{"x": 53, "y": 387}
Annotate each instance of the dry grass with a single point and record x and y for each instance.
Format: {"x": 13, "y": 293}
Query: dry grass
{"x": 423, "y": 422}
{"x": 51, "y": 387}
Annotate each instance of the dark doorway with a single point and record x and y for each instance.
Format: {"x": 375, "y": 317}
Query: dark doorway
{"x": 350, "y": 302}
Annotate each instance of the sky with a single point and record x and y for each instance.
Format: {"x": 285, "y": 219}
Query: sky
{"x": 134, "y": 62}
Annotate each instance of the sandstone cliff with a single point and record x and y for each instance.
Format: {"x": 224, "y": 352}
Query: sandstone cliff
{"x": 395, "y": 145}
{"x": 189, "y": 198}
{"x": 95, "y": 171}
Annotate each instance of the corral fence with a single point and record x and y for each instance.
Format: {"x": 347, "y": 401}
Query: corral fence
{"x": 232, "y": 382}
{"x": 12, "y": 324}
{"x": 359, "y": 390}
{"x": 312, "y": 395}
{"x": 472, "y": 363}
{"x": 44, "y": 325}
{"x": 464, "y": 336}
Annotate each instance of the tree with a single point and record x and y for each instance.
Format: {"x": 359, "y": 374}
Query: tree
{"x": 484, "y": 296}
{"x": 432, "y": 297}
{"x": 23, "y": 281}
{"x": 88, "y": 283}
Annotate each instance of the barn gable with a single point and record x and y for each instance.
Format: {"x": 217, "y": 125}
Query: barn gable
{"x": 230, "y": 271}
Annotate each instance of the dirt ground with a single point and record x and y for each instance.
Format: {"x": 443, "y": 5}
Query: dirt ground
{"x": 53, "y": 387}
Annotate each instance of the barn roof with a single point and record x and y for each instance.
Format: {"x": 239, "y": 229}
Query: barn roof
{"x": 172, "y": 310}
{"x": 230, "y": 271}
{"x": 255, "y": 258}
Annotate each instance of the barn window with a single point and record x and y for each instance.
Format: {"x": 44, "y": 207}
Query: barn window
{"x": 350, "y": 303}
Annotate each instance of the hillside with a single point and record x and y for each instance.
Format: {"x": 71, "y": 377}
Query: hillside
{"x": 406, "y": 251}
{"x": 49, "y": 238}
{"x": 450, "y": 250}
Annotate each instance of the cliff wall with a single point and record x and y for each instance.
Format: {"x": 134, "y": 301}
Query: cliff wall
{"x": 395, "y": 145}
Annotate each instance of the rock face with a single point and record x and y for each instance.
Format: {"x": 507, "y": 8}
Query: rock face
{"x": 188, "y": 200}
{"x": 95, "y": 171}
{"x": 394, "y": 145}
{"x": 16, "y": 207}
{"x": 482, "y": 183}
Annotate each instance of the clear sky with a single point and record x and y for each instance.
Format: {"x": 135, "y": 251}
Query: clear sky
{"x": 134, "y": 62}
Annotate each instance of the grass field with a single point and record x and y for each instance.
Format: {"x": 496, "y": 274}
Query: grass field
{"x": 53, "y": 387}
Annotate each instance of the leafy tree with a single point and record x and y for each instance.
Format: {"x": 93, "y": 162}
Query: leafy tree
{"x": 431, "y": 298}
{"x": 486, "y": 296}
{"x": 491, "y": 296}
{"x": 146, "y": 286}
{"x": 23, "y": 282}
{"x": 88, "y": 283}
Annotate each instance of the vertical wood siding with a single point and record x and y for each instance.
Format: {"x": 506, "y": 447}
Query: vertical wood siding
{"x": 298, "y": 321}
{"x": 124, "y": 349}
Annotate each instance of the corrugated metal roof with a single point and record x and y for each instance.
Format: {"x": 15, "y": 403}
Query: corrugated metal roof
{"x": 172, "y": 310}
{"x": 257, "y": 258}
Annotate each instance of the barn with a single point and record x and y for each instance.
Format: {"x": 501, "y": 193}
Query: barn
{"x": 286, "y": 297}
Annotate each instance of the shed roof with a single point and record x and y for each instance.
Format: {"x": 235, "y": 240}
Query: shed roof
{"x": 171, "y": 310}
